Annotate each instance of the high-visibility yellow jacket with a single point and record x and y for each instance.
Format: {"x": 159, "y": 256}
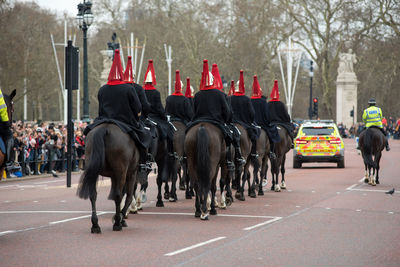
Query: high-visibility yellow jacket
{"x": 3, "y": 108}
{"x": 372, "y": 116}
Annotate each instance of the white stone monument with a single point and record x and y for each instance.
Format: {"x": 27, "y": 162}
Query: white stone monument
{"x": 346, "y": 89}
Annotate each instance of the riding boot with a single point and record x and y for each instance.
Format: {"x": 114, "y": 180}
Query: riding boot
{"x": 272, "y": 154}
{"x": 229, "y": 163}
{"x": 238, "y": 156}
{"x": 254, "y": 149}
{"x": 170, "y": 147}
{"x": 144, "y": 166}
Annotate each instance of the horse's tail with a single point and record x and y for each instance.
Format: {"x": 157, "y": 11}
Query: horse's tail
{"x": 367, "y": 149}
{"x": 203, "y": 158}
{"x": 87, "y": 183}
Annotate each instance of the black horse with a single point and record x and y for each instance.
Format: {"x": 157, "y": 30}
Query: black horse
{"x": 206, "y": 153}
{"x": 109, "y": 152}
{"x": 371, "y": 142}
{"x": 278, "y": 164}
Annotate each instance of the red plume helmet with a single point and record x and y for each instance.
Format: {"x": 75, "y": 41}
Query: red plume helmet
{"x": 128, "y": 75}
{"x": 207, "y": 80}
{"x": 257, "y": 92}
{"x": 232, "y": 90}
{"x": 275, "y": 92}
{"x": 241, "y": 85}
{"x": 217, "y": 78}
{"x": 150, "y": 77}
{"x": 178, "y": 84}
{"x": 116, "y": 72}
{"x": 188, "y": 92}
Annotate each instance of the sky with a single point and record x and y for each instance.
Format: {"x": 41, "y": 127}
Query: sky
{"x": 59, "y": 6}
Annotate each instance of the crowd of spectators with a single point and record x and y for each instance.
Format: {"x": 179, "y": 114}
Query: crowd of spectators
{"x": 391, "y": 127}
{"x": 42, "y": 148}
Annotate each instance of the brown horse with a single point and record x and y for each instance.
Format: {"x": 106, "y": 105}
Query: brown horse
{"x": 109, "y": 152}
{"x": 371, "y": 142}
{"x": 10, "y": 109}
{"x": 260, "y": 164}
{"x": 277, "y": 164}
{"x": 206, "y": 152}
{"x": 243, "y": 170}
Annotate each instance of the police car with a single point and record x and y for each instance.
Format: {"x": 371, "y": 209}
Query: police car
{"x": 318, "y": 141}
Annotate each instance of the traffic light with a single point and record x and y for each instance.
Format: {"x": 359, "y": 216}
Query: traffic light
{"x": 352, "y": 113}
{"x": 315, "y": 109}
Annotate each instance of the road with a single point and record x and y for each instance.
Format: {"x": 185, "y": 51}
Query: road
{"x": 326, "y": 217}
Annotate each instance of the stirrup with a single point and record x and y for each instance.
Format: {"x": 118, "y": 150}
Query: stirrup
{"x": 230, "y": 165}
{"x": 272, "y": 155}
{"x": 255, "y": 155}
{"x": 240, "y": 161}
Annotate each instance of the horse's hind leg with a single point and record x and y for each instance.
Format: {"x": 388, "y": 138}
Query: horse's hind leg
{"x": 174, "y": 177}
{"x": 129, "y": 197}
{"x": 197, "y": 213}
{"x": 213, "y": 211}
{"x": 159, "y": 185}
{"x": 283, "y": 184}
{"x": 377, "y": 159}
{"x": 366, "y": 175}
{"x": 95, "y": 221}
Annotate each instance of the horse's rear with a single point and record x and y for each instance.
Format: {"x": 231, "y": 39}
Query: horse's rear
{"x": 205, "y": 151}
{"x": 112, "y": 153}
{"x": 371, "y": 142}
{"x": 278, "y": 164}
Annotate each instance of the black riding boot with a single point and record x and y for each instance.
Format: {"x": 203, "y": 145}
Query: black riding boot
{"x": 272, "y": 154}
{"x": 254, "y": 149}
{"x": 170, "y": 147}
{"x": 144, "y": 165}
{"x": 238, "y": 156}
{"x": 9, "y": 148}
{"x": 229, "y": 163}
{"x": 387, "y": 144}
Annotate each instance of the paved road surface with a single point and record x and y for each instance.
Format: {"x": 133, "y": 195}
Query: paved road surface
{"x": 327, "y": 217}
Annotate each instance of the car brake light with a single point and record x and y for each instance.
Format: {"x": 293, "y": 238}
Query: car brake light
{"x": 335, "y": 141}
{"x": 301, "y": 141}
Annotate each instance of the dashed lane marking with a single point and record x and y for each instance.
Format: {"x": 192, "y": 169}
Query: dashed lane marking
{"x": 262, "y": 224}
{"x": 76, "y": 218}
{"x": 195, "y": 246}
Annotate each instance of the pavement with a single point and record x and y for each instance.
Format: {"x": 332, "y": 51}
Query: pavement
{"x": 326, "y": 217}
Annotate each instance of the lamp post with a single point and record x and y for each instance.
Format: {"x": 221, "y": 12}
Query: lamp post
{"x": 85, "y": 19}
{"x": 310, "y": 109}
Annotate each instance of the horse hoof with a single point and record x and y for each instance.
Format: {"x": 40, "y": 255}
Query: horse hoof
{"x": 237, "y": 195}
{"x": 277, "y": 188}
{"x": 229, "y": 201}
{"x": 242, "y": 198}
{"x": 182, "y": 187}
{"x": 253, "y": 194}
{"x": 260, "y": 192}
{"x": 188, "y": 196}
{"x": 124, "y": 223}
{"x": 283, "y": 186}
{"x": 366, "y": 180}
{"x": 171, "y": 199}
{"x": 95, "y": 230}
{"x": 272, "y": 188}
{"x": 117, "y": 227}
{"x": 166, "y": 195}
{"x": 160, "y": 203}
{"x": 197, "y": 214}
{"x": 222, "y": 206}
{"x": 264, "y": 182}
{"x": 204, "y": 217}
{"x": 213, "y": 212}
{"x": 377, "y": 182}
{"x": 133, "y": 211}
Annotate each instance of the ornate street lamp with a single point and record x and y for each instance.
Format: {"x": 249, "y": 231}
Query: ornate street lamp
{"x": 310, "y": 109}
{"x": 85, "y": 19}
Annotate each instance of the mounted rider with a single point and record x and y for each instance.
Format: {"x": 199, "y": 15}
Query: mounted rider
{"x": 278, "y": 112}
{"x": 372, "y": 117}
{"x": 144, "y": 159}
{"x": 177, "y": 106}
{"x": 189, "y": 92}
{"x": 157, "y": 112}
{"x": 5, "y": 131}
{"x": 211, "y": 105}
{"x": 262, "y": 117}
{"x": 119, "y": 104}
{"x": 243, "y": 113}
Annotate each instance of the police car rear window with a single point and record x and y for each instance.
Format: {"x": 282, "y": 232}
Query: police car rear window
{"x": 318, "y": 130}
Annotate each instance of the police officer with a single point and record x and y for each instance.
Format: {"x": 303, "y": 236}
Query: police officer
{"x": 243, "y": 113}
{"x": 157, "y": 111}
{"x": 144, "y": 159}
{"x": 372, "y": 116}
{"x": 177, "y": 106}
{"x": 5, "y": 130}
{"x": 278, "y": 111}
{"x": 261, "y": 116}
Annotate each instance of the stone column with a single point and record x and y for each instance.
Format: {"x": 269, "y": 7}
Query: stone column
{"x": 346, "y": 89}
{"x": 107, "y": 62}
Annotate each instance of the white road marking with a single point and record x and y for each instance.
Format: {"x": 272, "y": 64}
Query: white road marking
{"x": 338, "y": 193}
{"x": 262, "y": 224}
{"x": 76, "y": 218}
{"x": 195, "y": 246}
{"x": 218, "y": 215}
{"x": 63, "y": 201}
{"x": 351, "y": 187}
{"x": 358, "y": 210}
{"x": 7, "y": 232}
{"x": 391, "y": 212}
{"x": 370, "y": 190}
{"x": 298, "y": 206}
{"x": 35, "y": 201}
{"x": 48, "y": 182}
{"x": 327, "y": 208}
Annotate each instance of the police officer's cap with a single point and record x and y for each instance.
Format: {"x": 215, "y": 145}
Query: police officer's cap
{"x": 372, "y": 101}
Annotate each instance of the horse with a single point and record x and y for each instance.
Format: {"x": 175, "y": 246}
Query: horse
{"x": 260, "y": 165}
{"x": 112, "y": 153}
{"x": 206, "y": 151}
{"x": 281, "y": 148}
{"x": 245, "y": 147}
{"x": 372, "y": 142}
{"x": 181, "y": 163}
{"x": 8, "y": 99}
